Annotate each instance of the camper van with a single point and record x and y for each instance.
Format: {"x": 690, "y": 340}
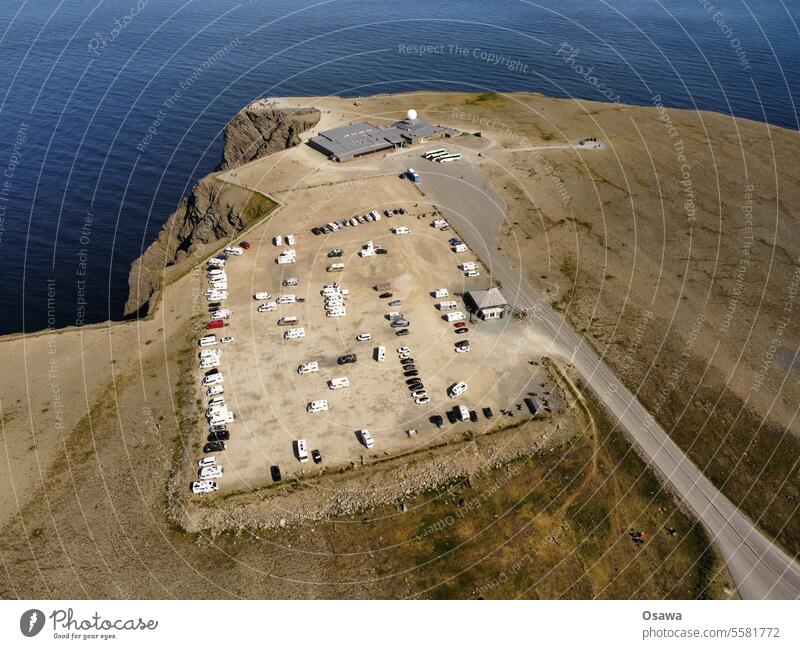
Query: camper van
{"x": 290, "y": 239}
{"x": 204, "y": 487}
{"x": 205, "y": 341}
{"x": 221, "y": 314}
{"x": 335, "y": 268}
{"x": 367, "y": 252}
{"x": 462, "y": 412}
{"x": 366, "y": 438}
{"x": 267, "y": 306}
{"x": 338, "y": 383}
{"x": 401, "y": 230}
{"x": 469, "y": 265}
{"x": 277, "y": 241}
{"x": 441, "y": 292}
{"x": 287, "y": 299}
{"x": 263, "y": 295}
{"x": 287, "y": 321}
{"x": 380, "y": 354}
{"x": 299, "y": 332}
{"x": 448, "y": 305}
{"x": 234, "y": 250}
{"x": 457, "y": 389}
{"x": 472, "y": 273}
{"x": 301, "y": 450}
{"x": 317, "y": 406}
{"x": 336, "y": 313}
{"x": 209, "y": 472}
{"x": 307, "y": 368}
{"x": 460, "y": 247}
{"x": 454, "y": 316}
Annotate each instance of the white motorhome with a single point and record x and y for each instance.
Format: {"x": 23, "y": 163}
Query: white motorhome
{"x": 468, "y": 265}
{"x": 441, "y": 292}
{"x": 277, "y": 241}
{"x": 457, "y": 389}
{"x": 367, "y": 252}
{"x": 448, "y": 305}
{"x": 307, "y": 368}
{"x": 366, "y": 438}
{"x": 287, "y": 320}
{"x": 462, "y": 412}
{"x": 205, "y": 341}
{"x": 209, "y": 363}
{"x": 286, "y": 299}
{"x": 262, "y": 295}
{"x": 234, "y": 250}
{"x": 338, "y": 383}
{"x": 267, "y": 306}
{"x": 336, "y": 313}
{"x": 290, "y": 239}
{"x": 380, "y": 354}
{"x": 299, "y": 332}
{"x": 208, "y": 472}
{"x": 225, "y": 417}
{"x": 335, "y": 268}
{"x": 301, "y": 450}
{"x": 401, "y": 230}
{"x": 221, "y": 314}
{"x": 460, "y": 247}
{"x": 472, "y": 273}
{"x": 317, "y": 406}
{"x": 213, "y": 379}
{"x": 454, "y": 316}
{"x": 204, "y": 487}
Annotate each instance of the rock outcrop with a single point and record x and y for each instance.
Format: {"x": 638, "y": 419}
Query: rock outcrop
{"x": 263, "y": 128}
{"x": 216, "y": 211}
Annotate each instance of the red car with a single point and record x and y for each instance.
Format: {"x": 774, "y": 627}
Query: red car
{"x": 245, "y": 245}
{"x": 215, "y": 324}
{"x": 459, "y": 325}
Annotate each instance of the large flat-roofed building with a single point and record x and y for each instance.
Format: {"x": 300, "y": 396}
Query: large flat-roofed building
{"x": 488, "y": 304}
{"x": 362, "y": 138}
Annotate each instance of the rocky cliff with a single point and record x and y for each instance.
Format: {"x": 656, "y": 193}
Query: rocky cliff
{"x": 263, "y": 128}
{"x": 216, "y": 211}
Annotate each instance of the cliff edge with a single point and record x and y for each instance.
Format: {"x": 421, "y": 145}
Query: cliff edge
{"x": 263, "y": 128}
{"x": 216, "y": 211}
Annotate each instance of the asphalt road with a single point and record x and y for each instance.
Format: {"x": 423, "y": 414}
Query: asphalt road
{"x": 759, "y": 567}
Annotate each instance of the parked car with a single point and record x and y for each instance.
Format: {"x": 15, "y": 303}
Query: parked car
{"x": 457, "y": 389}
{"x": 460, "y": 325}
{"x": 366, "y": 438}
{"x": 275, "y": 472}
{"x": 384, "y": 296}
{"x": 347, "y": 358}
{"x": 473, "y": 416}
{"x": 401, "y": 332}
{"x": 487, "y": 412}
{"x": 227, "y": 339}
{"x": 214, "y": 447}
{"x": 411, "y": 373}
{"x": 462, "y": 330}
{"x": 421, "y": 401}
{"x": 336, "y": 252}
{"x": 395, "y": 302}
{"x": 219, "y": 437}
{"x": 363, "y": 337}
{"x": 438, "y": 421}
{"x": 316, "y": 456}
{"x": 245, "y": 245}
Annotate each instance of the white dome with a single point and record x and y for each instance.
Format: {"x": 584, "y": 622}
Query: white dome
{"x": 411, "y": 114}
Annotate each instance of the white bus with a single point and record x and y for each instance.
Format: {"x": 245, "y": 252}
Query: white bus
{"x": 429, "y": 154}
{"x": 438, "y": 156}
{"x": 452, "y": 157}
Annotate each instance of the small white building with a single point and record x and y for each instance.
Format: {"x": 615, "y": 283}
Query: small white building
{"x": 487, "y": 304}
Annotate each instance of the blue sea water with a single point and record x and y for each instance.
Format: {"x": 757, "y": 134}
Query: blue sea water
{"x": 86, "y": 187}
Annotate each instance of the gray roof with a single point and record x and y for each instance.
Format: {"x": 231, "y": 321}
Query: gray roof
{"x": 488, "y": 298}
{"x": 362, "y": 137}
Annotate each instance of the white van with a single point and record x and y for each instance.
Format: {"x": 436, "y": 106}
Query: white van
{"x": 234, "y": 250}
{"x": 335, "y": 268}
{"x": 277, "y": 241}
{"x": 307, "y": 368}
{"x": 401, "y": 230}
{"x": 472, "y": 273}
{"x": 216, "y": 296}
{"x": 380, "y": 354}
{"x": 438, "y": 223}
{"x": 454, "y": 316}
{"x": 204, "y": 487}
{"x": 457, "y": 390}
{"x": 209, "y": 363}
{"x": 206, "y": 461}
{"x": 468, "y": 265}
{"x": 263, "y": 295}
{"x": 215, "y": 263}
{"x": 448, "y": 305}
{"x": 317, "y": 406}
{"x": 300, "y": 332}
{"x": 301, "y": 450}
{"x": 375, "y": 215}
{"x": 367, "y": 252}
{"x": 267, "y": 306}
{"x": 460, "y": 247}
{"x": 462, "y": 412}
{"x": 213, "y": 379}
{"x": 366, "y": 438}
{"x": 205, "y": 341}
{"x": 336, "y": 313}
{"x": 221, "y": 314}
{"x": 285, "y": 259}
{"x": 338, "y": 383}
{"x": 208, "y": 472}
{"x": 286, "y": 299}
{"x": 290, "y": 239}
{"x": 287, "y": 320}
{"x": 441, "y": 292}
{"x": 217, "y": 273}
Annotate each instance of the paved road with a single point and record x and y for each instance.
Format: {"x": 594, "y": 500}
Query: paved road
{"x": 759, "y": 568}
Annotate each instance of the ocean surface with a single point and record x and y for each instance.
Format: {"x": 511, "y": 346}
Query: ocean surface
{"x": 93, "y": 163}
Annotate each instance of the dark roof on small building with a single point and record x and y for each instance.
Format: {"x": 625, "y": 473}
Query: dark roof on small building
{"x": 487, "y": 299}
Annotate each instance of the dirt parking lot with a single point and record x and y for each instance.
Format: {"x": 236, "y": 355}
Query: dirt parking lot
{"x": 269, "y": 397}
